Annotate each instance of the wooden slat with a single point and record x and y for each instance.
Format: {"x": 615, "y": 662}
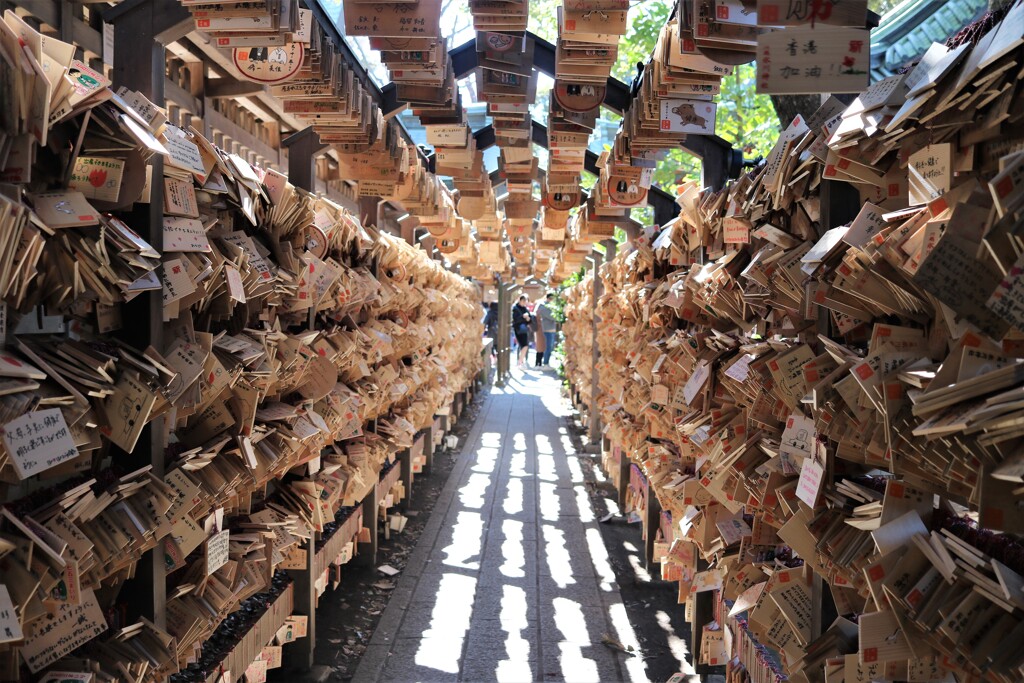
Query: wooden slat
{"x": 230, "y": 88}
{"x": 49, "y": 12}
{"x": 174, "y": 93}
{"x": 88, "y": 38}
{"x": 215, "y": 121}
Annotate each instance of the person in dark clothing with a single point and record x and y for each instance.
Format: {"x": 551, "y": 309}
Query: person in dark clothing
{"x": 521, "y": 321}
{"x": 491, "y": 320}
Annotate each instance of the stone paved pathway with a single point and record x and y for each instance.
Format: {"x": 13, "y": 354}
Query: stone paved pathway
{"x": 510, "y": 580}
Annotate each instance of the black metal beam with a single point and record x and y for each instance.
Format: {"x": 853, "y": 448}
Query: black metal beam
{"x": 303, "y": 149}
{"x": 464, "y": 58}
{"x": 717, "y": 154}
{"x": 388, "y": 103}
{"x": 663, "y": 203}
{"x": 389, "y": 99}
{"x": 166, "y": 21}
{"x": 543, "y": 54}
{"x": 331, "y": 29}
{"x": 484, "y": 137}
{"x": 539, "y": 134}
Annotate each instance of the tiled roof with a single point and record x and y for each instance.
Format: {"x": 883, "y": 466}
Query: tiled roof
{"x": 906, "y": 31}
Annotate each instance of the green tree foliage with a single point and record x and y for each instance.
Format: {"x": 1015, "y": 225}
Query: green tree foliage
{"x": 882, "y": 6}
{"x": 645, "y": 21}
{"x": 746, "y": 119}
{"x": 544, "y": 19}
{"x": 677, "y": 167}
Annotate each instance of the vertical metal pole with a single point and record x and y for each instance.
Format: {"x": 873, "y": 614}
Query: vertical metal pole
{"x": 501, "y": 342}
{"x": 149, "y": 26}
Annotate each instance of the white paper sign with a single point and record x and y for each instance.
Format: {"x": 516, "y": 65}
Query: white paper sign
{"x": 800, "y": 61}
{"x": 217, "y": 551}
{"x": 797, "y": 438}
{"x": 930, "y": 173}
{"x": 38, "y": 441}
{"x": 10, "y": 625}
{"x": 809, "y": 485}
{"x": 733, "y": 529}
{"x": 696, "y": 381}
{"x": 184, "y": 153}
{"x": 738, "y": 370}
{"x": 185, "y": 235}
{"x": 688, "y": 116}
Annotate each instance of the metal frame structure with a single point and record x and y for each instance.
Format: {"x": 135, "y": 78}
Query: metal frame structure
{"x": 720, "y": 161}
{"x": 718, "y": 155}
{"x": 386, "y": 102}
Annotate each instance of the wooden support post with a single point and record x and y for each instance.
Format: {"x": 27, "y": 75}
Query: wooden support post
{"x": 298, "y": 656}
{"x": 405, "y": 462}
{"x": 502, "y": 342}
{"x": 149, "y": 25}
{"x": 703, "y": 613}
{"x": 623, "y": 478}
{"x": 595, "y": 389}
{"x": 593, "y": 418}
{"x": 303, "y": 149}
{"x": 428, "y": 448}
{"x": 368, "y": 551}
{"x": 652, "y": 523}
{"x": 67, "y": 19}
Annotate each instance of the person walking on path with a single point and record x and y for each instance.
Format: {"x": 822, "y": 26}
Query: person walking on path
{"x": 491, "y": 321}
{"x": 521, "y": 321}
{"x": 549, "y": 325}
{"x": 538, "y": 336}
